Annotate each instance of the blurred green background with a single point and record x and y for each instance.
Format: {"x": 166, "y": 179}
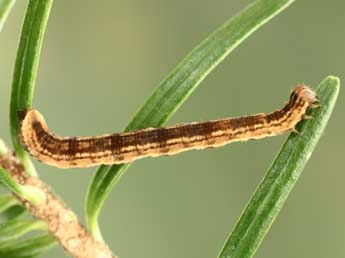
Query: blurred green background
{"x": 101, "y": 60}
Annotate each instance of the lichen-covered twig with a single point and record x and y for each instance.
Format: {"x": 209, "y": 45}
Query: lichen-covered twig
{"x": 62, "y": 222}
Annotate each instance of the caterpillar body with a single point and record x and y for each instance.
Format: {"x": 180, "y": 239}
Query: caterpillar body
{"x": 67, "y": 152}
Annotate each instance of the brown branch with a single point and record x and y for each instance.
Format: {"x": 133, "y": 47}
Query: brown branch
{"x": 63, "y": 224}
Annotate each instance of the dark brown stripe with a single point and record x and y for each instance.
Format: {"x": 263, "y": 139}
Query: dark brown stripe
{"x": 125, "y": 147}
{"x": 160, "y": 135}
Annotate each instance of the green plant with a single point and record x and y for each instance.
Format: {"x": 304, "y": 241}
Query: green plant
{"x": 168, "y": 97}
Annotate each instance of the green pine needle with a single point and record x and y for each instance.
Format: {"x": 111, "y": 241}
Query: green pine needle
{"x": 273, "y": 191}
{"x": 177, "y": 87}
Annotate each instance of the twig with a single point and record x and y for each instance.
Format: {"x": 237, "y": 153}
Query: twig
{"x": 62, "y": 223}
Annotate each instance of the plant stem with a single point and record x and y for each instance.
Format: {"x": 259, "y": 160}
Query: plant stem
{"x": 62, "y": 223}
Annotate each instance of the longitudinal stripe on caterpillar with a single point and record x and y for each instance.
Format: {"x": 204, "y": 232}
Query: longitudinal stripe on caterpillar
{"x": 66, "y": 152}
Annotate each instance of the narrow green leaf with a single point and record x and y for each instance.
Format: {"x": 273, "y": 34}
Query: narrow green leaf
{"x": 272, "y": 192}
{"x": 25, "y": 70}
{"x": 9, "y": 181}
{"x": 176, "y": 88}
{"x": 28, "y": 247}
{"x": 30, "y": 193}
{"x": 12, "y": 213}
{"x": 5, "y": 8}
{"x": 14, "y": 229}
{"x": 3, "y": 148}
{"x": 6, "y": 202}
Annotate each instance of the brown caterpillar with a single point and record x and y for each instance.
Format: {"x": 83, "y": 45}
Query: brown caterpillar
{"x": 67, "y": 152}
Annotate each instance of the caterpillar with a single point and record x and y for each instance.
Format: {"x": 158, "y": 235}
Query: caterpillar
{"x": 72, "y": 152}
